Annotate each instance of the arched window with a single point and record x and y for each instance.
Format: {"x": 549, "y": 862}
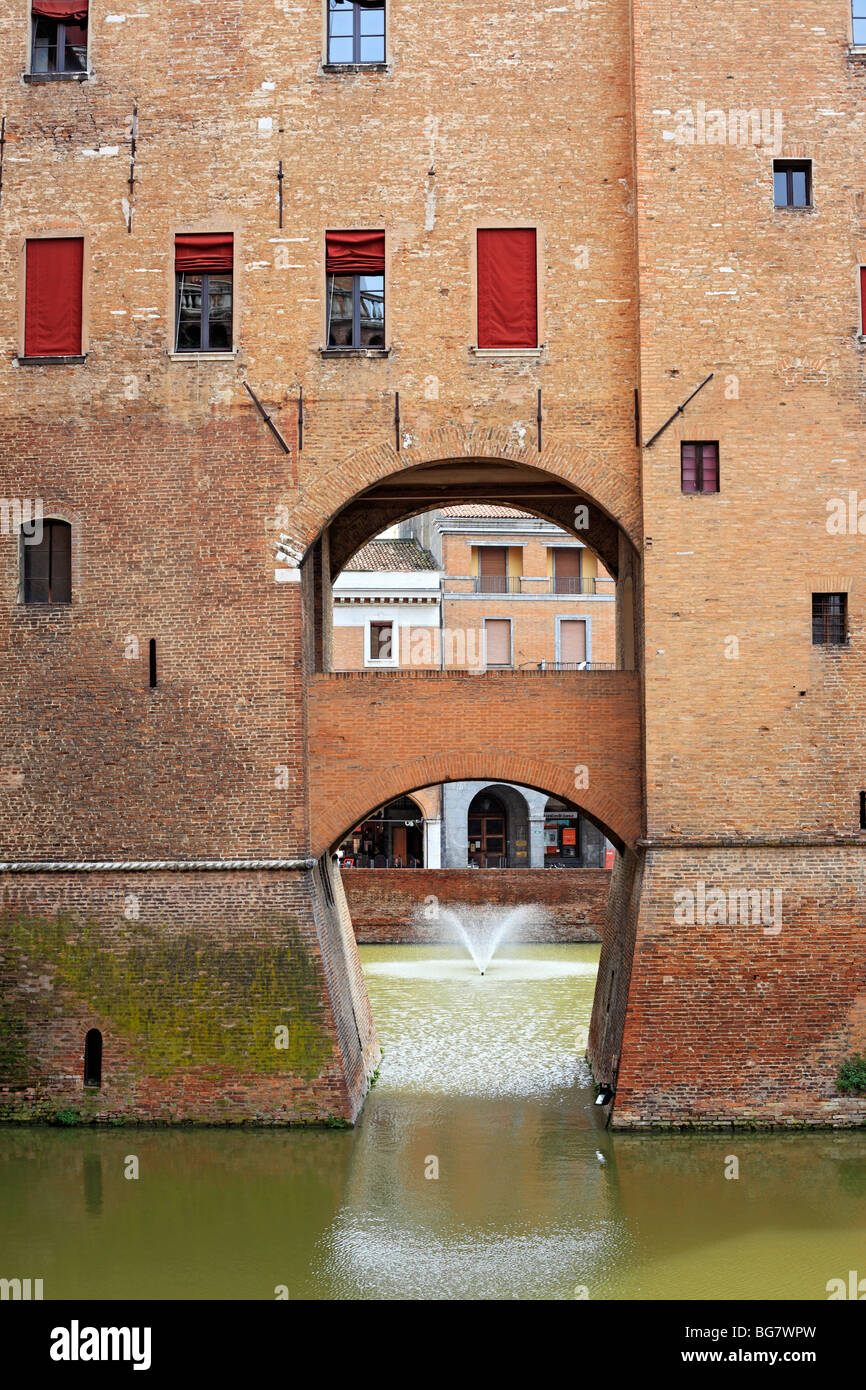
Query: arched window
{"x": 47, "y": 563}
{"x": 93, "y": 1058}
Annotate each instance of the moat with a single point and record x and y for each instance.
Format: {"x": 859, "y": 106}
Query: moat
{"x": 480, "y": 1168}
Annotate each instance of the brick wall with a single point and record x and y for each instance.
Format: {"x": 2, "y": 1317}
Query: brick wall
{"x": 187, "y": 976}
{"x": 394, "y": 905}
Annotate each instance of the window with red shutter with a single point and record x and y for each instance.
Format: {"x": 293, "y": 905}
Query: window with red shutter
{"x": 203, "y": 264}
{"x": 355, "y": 267}
{"x": 507, "y": 287}
{"x": 59, "y": 38}
{"x": 52, "y": 299}
{"x": 700, "y": 466}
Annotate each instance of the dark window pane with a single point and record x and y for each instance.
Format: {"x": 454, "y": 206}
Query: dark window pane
{"x": 829, "y": 619}
{"x": 372, "y": 297}
{"x": 76, "y": 48}
{"x": 61, "y": 562}
{"x": 220, "y": 313}
{"x": 341, "y": 51}
{"x": 45, "y": 46}
{"x": 372, "y": 50}
{"x": 340, "y": 301}
{"x": 189, "y": 290}
{"x": 780, "y": 188}
{"x": 36, "y": 568}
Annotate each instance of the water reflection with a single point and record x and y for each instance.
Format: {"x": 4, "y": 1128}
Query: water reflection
{"x": 533, "y": 1197}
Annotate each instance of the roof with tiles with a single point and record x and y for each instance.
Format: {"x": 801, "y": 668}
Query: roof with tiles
{"x": 392, "y": 555}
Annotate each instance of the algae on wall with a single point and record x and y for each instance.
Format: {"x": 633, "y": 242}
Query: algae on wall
{"x": 181, "y": 999}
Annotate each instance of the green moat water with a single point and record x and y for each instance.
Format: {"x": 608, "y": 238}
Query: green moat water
{"x": 534, "y": 1197}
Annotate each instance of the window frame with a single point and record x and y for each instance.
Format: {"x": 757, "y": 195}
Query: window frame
{"x": 221, "y": 227}
{"x": 393, "y": 660}
{"x": 48, "y": 524}
{"x": 701, "y": 491}
{"x": 63, "y": 74}
{"x": 355, "y": 345}
{"x": 826, "y": 618}
{"x": 498, "y": 618}
{"x": 204, "y": 346}
{"x": 574, "y": 618}
{"x": 860, "y": 47}
{"x": 510, "y": 225}
{"x": 356, "y": 64}
{"x": 789, "y": 167}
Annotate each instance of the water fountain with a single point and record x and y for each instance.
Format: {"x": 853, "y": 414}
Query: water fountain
{"x": 482, "y": 935}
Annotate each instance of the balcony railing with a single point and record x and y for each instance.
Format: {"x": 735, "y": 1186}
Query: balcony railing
{"x": 529, "y": 587}
{"x": 566, "y": 584}
{"x": 497, "y": 584}
{"x": 567, "y": 666}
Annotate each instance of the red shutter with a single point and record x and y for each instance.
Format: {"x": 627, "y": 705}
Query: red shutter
{"x": 204, "y": 253}
{"x": 355, "y": 253}
{"x": 70, "y": 11}
{"x": 863, "y": 299}
{"x": 507, "y": 288}
{"x": 52, "y": 304}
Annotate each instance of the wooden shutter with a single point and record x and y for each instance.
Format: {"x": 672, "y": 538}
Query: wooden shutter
{"x": 572, "y": 641}
{"x": 566, "y": 570}
{"x": 52, "y": 305}
{"x": 497, "y": 636}
{"x": 507, "y": 288}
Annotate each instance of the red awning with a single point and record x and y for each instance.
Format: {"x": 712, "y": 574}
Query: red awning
{"x": 203, "y": 253}
{"x": 52, "y": 303}
{"x": 72, "y": 11}
{"x": 507, "y": 288}
{"x": 356, "y": 253}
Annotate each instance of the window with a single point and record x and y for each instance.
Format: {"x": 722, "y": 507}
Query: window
{"x": 829, "y": 620}
{"x": 573, "y": 647}
{"x": 492, "y": 569}
{"x": 356, "y": 31}
{"x": 203, "y": 265}
{"x": 507, "y": 288}
{"x": 59, "y": 37}
{"x": 700, "y": 467}
{"x": 497, "y": 642}
{"x": 47, "y": 566}
{"x": 858, "y": 10}
{"x": 93, "y": 1058}
{"x": 792, "y": 183}
{"x": 381, "y": 643}
{"x": 863, "y": 300}
{"x": 355, "y": 265}
{"x": 52, "y": 299}
{"x": 567, "y": 570}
